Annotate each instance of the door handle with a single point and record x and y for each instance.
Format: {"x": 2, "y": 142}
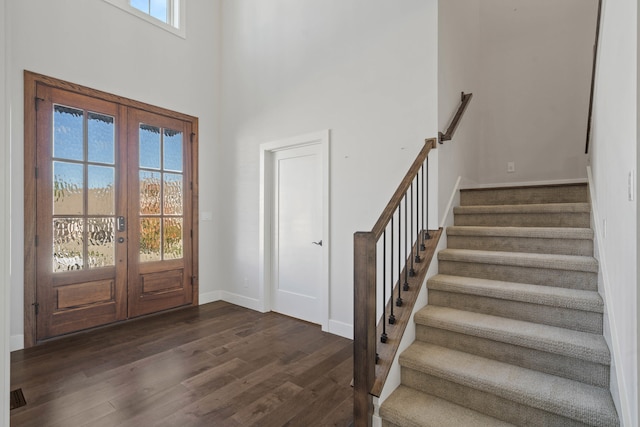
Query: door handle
{"x": 121, "y": 223}
{"x": 318, "y": 243}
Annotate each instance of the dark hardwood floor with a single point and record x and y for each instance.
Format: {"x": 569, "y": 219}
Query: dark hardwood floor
{"x": 213, "y": 365}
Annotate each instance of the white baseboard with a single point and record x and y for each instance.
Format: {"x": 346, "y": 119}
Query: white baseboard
{"x": 340, "y": 328}
{"x": 531, "y": 183}
{"x": 454, "y": 200}
{"x": 611, "y": 333}
{"x": 241, "y": 300}
{"x": 17, "y": 342}
{"x": 208, "y": 297}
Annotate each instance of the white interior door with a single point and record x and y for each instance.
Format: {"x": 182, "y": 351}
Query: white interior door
{"x": 297, "y": 233}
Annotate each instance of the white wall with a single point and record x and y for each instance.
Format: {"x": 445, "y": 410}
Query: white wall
{"x": 533, "y": 69}
{"x": 96, "y": 44}
{"x": 613, "y": 156}
{"x": 4, "y": 230}
{"x": 366, "y": 70}
{"x": 459, "y": 59}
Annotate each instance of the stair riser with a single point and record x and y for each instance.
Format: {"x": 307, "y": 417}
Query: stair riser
{"x": 535, "y": 276}
{"x": 502, "y": 196}
{"x": 554, "y": 364}
{"x": 578, "y": 320}
{"x": 484, "y": 402}
{"x": 581, "y": 247}
{"x": 576, "y": 219}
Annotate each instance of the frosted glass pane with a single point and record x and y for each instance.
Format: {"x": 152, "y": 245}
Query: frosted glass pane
{"x": 172, "y": 150}
{"x": 68, "y": 244}
{"x": 149, "y": 147}
{"x": 150, "y": 239}
{"x": 172, "y": 238}
{"x": 100, "y": 242}
{"x": 100, "y": 134}
{"x": 68, "y": 186}
{"x": 101, "y": 196}
{"x": 172, "y": 194}
{"x": 68, "y": 133}
{"x": 150, "y": 186}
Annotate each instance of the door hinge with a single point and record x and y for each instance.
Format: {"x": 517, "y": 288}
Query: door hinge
{"x": 193, "y": 280}
{"x": 191, "y": 185}
{"x": 37, "y": 240}
{"x": 36, "y": 307}
{"x": 193, "y": 135}
{"x": 191, "y": 233}
{"x": 38, "y": 99}
{"x": 36, "y": 173}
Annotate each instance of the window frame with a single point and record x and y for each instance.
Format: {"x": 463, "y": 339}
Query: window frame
{"x": 176, "y": 14}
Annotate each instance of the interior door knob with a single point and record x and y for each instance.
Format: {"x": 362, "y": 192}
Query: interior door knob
{"x": 318, "y": 243}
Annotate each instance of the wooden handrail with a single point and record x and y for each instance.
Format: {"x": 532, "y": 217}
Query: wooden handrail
{"x": 365, "y": 288}
{"x": 464, "y": 101}
{"x": 593, "y": 77}
{"x": 385, "y": 217}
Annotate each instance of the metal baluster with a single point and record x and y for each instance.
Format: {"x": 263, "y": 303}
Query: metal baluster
{"x": 412, "y": 272}
{"x": 422, "y": 245}
{"x": 426, "y": 187}
{"x": 405, "y": 286}
{"x": 399, "y": 299}
{"x": 383, "y": 337}
{"x": 417, "y": 179}
{"x": 392, "y": 318}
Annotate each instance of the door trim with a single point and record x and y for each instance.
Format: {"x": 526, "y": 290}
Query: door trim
{"x": 265, "y": 233}
{"x": 31, "y": 81}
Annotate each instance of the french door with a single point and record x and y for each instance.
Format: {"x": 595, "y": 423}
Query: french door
{"x": 114, "y": 212}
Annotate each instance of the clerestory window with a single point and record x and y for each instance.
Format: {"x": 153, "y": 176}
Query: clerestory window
{"x": 167, "y": 14}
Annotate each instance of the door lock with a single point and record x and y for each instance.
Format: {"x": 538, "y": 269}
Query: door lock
{"x": 121, "y": 223}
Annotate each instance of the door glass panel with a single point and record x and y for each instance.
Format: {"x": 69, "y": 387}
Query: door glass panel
{"x": 149, "y": 147}
{"x": 83, "y": 184}
{"x": 68, "y": 244}
{"x": 100, "y": 138}
{"x": 150, "y": 239}
{"x": 68, "y": 188}
{"x": 101, "y": 197}
{"x": 68, "y": 133}
{"x": 172, "y": 238}
{"x": 172, "y": 150}
{"x": 172, "y": 194}
{"x": 161, "y": 193}
{"x": 150, "y": 188}
{"x": 100, "y": 242}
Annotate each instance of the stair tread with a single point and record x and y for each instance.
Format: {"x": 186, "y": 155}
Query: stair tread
{"x": 580, "y": 345}
{"x": 412, "y": 408}
{"x": 522, "y": 259}
{"x": 524, "y": 208}
{"x": 572, "y": 399}
{"x": 575, "y": 299}
{"x": 526, "y": 232}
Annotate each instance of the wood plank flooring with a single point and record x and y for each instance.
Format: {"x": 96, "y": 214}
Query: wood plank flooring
{"x": 213, "y": 365}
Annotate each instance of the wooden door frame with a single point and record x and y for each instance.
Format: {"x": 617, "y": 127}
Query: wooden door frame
{"x": 31, "y": 81}
{"x": 266, "y": 217}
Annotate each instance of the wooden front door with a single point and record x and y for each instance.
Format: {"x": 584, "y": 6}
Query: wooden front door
{"x": 159, "y": 217}
{"x": 113, "y": 201}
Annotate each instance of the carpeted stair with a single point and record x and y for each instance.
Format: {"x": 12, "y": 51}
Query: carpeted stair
{"x": 512, "y": 334}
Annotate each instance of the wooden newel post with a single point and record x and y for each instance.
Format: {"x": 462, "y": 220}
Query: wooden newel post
{"x": 364, "y": 348}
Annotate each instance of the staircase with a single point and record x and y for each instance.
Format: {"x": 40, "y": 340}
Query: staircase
{"x": 512, "y": 334}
